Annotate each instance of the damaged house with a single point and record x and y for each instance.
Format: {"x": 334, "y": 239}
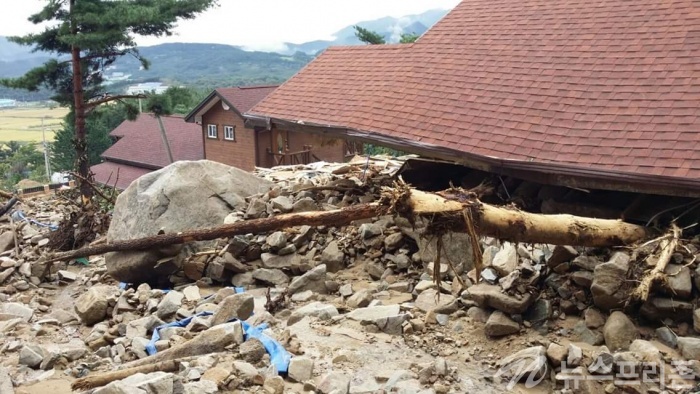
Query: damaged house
{"x": 227, "y": 141}
{"x": 585, "y": 107}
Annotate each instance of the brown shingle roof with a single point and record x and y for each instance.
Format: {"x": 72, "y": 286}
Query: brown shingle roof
{"x": 243, "y": 98}
{"x": 141, "y": 143}
{"x": 115, "y": 174}
{"x": 609, "y": 88}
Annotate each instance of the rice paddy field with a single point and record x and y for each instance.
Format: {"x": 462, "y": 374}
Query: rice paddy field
{"x": 25, "y": 124}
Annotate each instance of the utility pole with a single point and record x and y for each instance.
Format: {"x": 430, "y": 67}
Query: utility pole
{"x": 46, "y": 151}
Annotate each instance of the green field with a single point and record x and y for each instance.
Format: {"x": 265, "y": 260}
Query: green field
{"x": 25, "y": 124}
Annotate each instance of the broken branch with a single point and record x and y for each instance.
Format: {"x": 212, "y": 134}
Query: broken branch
{"x": 668, "y": 246}
{"x": 100, "y": 380}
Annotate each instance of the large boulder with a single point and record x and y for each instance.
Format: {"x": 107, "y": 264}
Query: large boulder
{"x": 185, "y": 195}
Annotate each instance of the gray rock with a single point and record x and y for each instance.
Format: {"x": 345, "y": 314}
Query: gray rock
{"x": 247, "y": 372}
{"x": 7, "y": 241}
{"x": 539, "y": 312}
{"x": 252, "y": 350}
{"x": 64, "y": 276}
{"x": 152, "y": 383}
{"x": 488, "y": 255}
{"x": 582, "y": 278}
{"x": 360, "y": 299}
{"x": 647, "y": 350}
{"x": 191, "y": 293}
{"x": 478, "y": 314}
{"x": 369, "y": 230}
{"x": 300, "y": 369}
{"x": 216, "y": 270}
{"x": 657, "y": 309}
{"x": 557, "y": 353}
{"x": 282, "y": 203}
{"x": 277, "y": 240}
{"x": 334, "y": 383}
{"x": 345, "y": 290}
{"x": 315, "y": 309}
{"x": 499, "y": 325}
{"x": 200, "y": 387}
{"x": 273, "y": 385}
{"x": 689, "y": 347}
{"x": 393, "y": 241}
{"x": 239, "y": 306}
{"x": 587, "y": 263}
{"x": 561, "y": 254}
{"x": 374, "y": 269}
{"x": 602, "y": 362}
{"x": 287, "y": 250}
{"x": 574, "y": 356}
{"x": 314, "y": 280}
{"x": 491, "y": 296}
{"x": 6, "y": 382}
{"x": 138, "y": 346}
{"x": 667, "y": 337}
{"x": 593, "y": 318}
{"x": 581, "y": 333}
{"x": 170, "y": 303}
{"x": 619, "y": 331}
{"x": 243, "y": 280}
{"x": 527, "y": 363}
{"x": 373, "y": 313}
{"x": 271, "y": 276}
{"x": 506, "y": 260}
{"x": 393, "y": 325}
{"x": 183, "y": 196}
{"x": 430, "y": 300}
{"x": 256, "y": 208}
{"x": 608, "y": 280}
{"x": 31, "y": 356}
{"x": 92, "y": 306}
{"x": 305, "y": 204}
{"x": 13, "y": 310}
{"x": 333, "y": 257}
{"x": 678, "y": 283}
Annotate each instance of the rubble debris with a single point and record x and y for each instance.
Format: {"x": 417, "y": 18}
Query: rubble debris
{"x": 391, "y": 316}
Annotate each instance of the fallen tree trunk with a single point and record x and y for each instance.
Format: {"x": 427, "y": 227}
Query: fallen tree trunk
{"x": 446, "y": 214}
{"x": 90, "y": 382}
{"x": 339, "y": 217}
{"x": 518, "y": 226}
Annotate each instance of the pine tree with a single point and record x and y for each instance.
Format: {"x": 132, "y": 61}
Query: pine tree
{"x": 94, "y": 33}
{"x": 368, "y": 36}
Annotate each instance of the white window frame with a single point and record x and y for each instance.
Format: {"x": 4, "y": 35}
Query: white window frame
{"x": 210, "y": 128}
{"x": 232, "y": 136}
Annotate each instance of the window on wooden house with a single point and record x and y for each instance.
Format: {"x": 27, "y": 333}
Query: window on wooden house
{"x": 230, "y": 133}
{"x": 211, "y": 131}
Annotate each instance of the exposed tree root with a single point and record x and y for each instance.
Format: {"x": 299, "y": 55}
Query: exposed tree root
{"x": 668, "y": 245}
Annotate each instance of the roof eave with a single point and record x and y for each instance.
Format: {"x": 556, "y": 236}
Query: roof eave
{"x": 542, "y": 172}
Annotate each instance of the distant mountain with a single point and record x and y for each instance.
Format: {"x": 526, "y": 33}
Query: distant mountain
{"x": 390, "y": 28}
{"x": 212, "y": 65}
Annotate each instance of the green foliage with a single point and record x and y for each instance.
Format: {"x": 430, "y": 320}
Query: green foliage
{"x": 18, "y": 161}
{"x": 95, "y": 33}
{"x": 368, "y": 36}
{"x": 374, "y": 150}
{"x": 408, "y": 38}
{"x": 99, "y": 124}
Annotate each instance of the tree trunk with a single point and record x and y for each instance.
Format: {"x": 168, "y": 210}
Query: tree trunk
{"x": 444, "y": 214}
{"x": 103, "y": 379}
{"x": 518, "y": 226}
{"x": 79, "y": 104}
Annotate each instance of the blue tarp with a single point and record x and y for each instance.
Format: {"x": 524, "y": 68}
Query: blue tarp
{"x": 279, "y": 356}
{"x": 19, "y": 215}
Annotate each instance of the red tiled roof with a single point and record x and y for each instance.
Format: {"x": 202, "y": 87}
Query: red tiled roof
{"x": 141, "y": 143}
{"x": 243, "y": 98}
{"x": 610, "y": 88}
{"x": 108, "y": 173}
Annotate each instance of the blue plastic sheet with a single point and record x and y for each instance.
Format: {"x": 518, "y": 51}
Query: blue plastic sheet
{"x": 19, "y": 215}
{"x": 279, "y": 356}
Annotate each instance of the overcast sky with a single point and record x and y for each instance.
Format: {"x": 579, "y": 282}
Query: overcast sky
{"x": 257, "y": 24}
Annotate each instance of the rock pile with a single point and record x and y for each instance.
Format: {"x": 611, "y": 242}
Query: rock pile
{"x": 362, "y": 308}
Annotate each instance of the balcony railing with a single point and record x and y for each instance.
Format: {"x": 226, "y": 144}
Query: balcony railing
{"x": 291, "y": 158}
